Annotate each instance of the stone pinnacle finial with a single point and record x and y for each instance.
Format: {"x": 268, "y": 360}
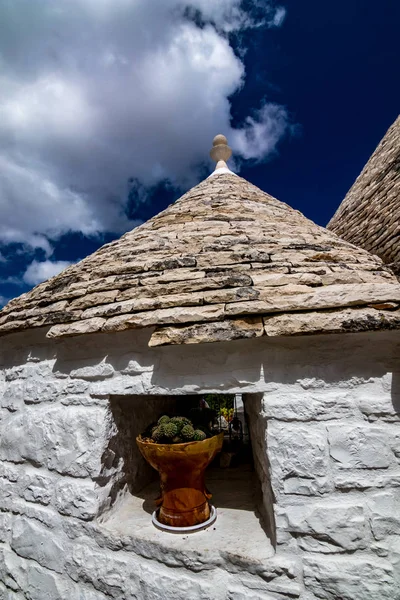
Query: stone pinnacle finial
{"x": 220, "y": 152}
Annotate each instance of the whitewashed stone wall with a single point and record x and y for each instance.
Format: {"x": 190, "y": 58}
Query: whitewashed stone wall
{"x": 325, "y": 410}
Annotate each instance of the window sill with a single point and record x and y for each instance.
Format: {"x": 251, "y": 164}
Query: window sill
{"x": 237, "y": 537}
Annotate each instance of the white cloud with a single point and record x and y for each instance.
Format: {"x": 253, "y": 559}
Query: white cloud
{"x": 10, "y": 280}
{"x": 260, "y": 132}
{"x": 96, "y": 91}
{"x": 278, "y": 17}
{"x": 41, "y": 271}
{"x": 2, "y": 258}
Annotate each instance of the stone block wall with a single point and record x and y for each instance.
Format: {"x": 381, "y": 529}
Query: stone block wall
{"x": 325, "y": 425}
{"x": 335, "y": 474}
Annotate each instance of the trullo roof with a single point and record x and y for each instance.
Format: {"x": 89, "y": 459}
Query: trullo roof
{"x": 225, "y": 261}
{"x": 369, "y": 216}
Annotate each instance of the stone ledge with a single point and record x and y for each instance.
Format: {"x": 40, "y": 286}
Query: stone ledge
{"x": 221, "y": 545}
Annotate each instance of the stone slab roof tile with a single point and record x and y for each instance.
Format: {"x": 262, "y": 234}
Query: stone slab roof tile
{"x": 369, "y": 216}
{"x": 226, "y": 261}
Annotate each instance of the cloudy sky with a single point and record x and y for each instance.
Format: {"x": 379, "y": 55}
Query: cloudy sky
{"x": 108, "y": 109}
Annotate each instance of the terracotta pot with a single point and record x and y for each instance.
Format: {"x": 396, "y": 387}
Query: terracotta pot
{"x": 184, "y": 498}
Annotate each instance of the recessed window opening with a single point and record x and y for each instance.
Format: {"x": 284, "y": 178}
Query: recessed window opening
{"x": 241, "y": 498}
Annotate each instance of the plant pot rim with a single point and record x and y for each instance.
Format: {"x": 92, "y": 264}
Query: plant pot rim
{"x": 146, "y": 442}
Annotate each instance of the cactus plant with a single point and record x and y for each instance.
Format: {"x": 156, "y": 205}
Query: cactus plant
{"x": 175, "y": 430}
{"x": 187, "y": 432}
{"x": 180, "y": 422}
{"x": 156, "y": 435}
{"x": 168, "y": 430}
{"x": 198, "y": 435}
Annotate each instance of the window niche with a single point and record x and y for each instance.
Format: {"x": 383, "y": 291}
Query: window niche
{"x": 132, "y": 414}
{"x": 239, "y": 483}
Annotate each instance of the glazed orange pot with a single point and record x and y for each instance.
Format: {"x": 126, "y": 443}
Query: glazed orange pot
{"x": 184, "y": 498}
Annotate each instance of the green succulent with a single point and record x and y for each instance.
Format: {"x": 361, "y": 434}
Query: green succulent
{"x": 177, "y": 422}
{"x": 187, "y": 432}
{"x": 199, "y": 435}
{"x": 175, "y": 430}
{"x": 168, "y": 430}
{"x": 180, "y": 422}
{"x": 161, "y": 429}
{"x": 156, "y": 434}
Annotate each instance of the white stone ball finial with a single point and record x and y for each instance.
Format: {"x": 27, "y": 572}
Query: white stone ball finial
{"x": 220, "y": 152}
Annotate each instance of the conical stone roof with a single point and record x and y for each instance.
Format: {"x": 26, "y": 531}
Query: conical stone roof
{"x": 225, "y": 261}
{"x": 369, "y": 216}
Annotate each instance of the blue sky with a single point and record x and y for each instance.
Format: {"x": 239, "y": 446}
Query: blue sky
{"x": 108, "y": 110}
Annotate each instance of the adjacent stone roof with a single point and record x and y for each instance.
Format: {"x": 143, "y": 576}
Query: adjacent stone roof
{"x": 225, "y": 261}
{"x": 369, "y": 216}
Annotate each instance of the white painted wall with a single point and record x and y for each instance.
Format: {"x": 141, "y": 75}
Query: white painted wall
{"x": 327, "y": 414}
